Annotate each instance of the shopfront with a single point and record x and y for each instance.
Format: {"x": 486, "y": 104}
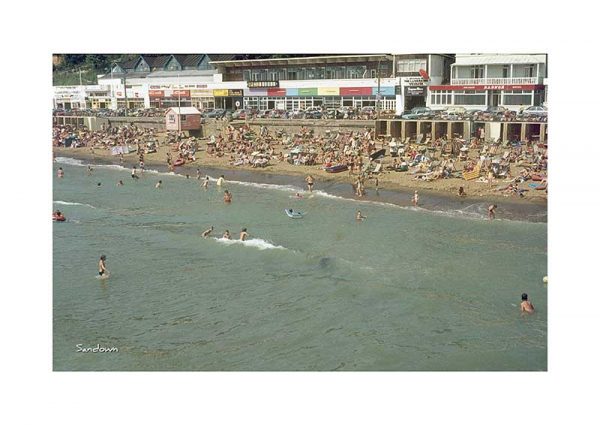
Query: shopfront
{"x": 327, "y": 97}
{"x": 511, "y": 96}
{"x": 230, "y": 99}
{"x": 135, "y": 97}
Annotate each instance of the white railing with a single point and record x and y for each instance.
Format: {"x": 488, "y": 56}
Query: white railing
{"x": 495, "y": 81}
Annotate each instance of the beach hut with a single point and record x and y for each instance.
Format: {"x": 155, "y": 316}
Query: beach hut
{"x": 184, "y": 119}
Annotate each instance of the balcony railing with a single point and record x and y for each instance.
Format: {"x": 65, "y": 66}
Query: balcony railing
{"x": 496, "y": 81}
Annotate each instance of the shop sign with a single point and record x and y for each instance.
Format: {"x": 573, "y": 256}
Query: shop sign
{"x": 220, "y": 92}
{"x": 413, "y": 81}
{"x": 236, "y": 92}
{"x": 328, "y": 91}
{"x": 200, "y": 92}
{"x": 182, "y": 93}
{"x": 491, "y": 87}
{"x": 262, "y": 84}
{"x": 156, "y": 93}
{"x": 414, "y": 91}
{"x": 307, "y": 92}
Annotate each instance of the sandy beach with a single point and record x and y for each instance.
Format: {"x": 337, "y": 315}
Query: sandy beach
{"x": 390, "y": 180}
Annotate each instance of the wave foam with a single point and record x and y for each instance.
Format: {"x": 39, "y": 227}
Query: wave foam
{"x": 69, "y": 161}
{"x": 255, "y": 243}
{"x": 73, "y": 203}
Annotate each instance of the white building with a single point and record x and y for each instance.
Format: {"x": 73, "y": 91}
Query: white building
{"x": 479, "y": 81}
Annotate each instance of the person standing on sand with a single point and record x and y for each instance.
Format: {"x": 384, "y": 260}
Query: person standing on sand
{"x": 121, "y": 158}
{"x": 310, "y": 181}
{"x": 244, "y": 234}
{"x": 492, "y": 211}
{"x": 461, "y": 192}
{"x": 415, "y": 198}
{"x": 376, "y": 185}
{"x": 526, "y": 306}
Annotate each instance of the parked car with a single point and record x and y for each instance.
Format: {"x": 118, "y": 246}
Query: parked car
{"x": 216, "y": 113}
{"x": 277, "y": 113}
{"x": 242, "y": 114}
{"x": 534, "y": 111}
{"x": 313, "y": 114}
{"x": 418, "y": 113}
{"x": 205, "y": 112}
{"x": 263, "y": 114}
{"x": 496, "y": 110}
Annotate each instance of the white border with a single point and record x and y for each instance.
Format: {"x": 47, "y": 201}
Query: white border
{"x": 37, "y": 394}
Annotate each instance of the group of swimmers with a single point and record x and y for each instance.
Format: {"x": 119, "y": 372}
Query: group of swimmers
{"x": 243, "y": 234}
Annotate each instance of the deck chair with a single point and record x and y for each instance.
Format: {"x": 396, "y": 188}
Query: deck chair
{"x": 419, "y": 138}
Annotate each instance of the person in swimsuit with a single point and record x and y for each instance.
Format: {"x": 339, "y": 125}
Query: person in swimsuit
{"x": 207, "y": 232}
{"x": 133, "y": 173}
{"x": 61, "y": 173}
{"x": 159, "y": 184}
{"x": 526, "y": 306}
{"x": 492, "y": 211}
{"x": 102, "y": 266}
{"x": 227, "y": 197}
{"x": 461, "y": 191}
{"x": 120, "y": 183}
{"x": 226, "y": 235}
{"x": 310, "y": 181}
{"x": 415, "y": 199}
{"x": 90, "y": 169}
{"x": 359, "y": 216}
{"x": 205, "y": 184}
{"x": 198, "y": 173}
{"x": 221, "y": 180}
{"x": 243, "y": 234}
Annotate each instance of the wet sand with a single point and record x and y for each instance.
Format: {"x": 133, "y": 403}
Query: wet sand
{"x": 394, "y": 188}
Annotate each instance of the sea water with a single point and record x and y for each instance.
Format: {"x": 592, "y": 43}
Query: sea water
{"x": 405, "y": 289}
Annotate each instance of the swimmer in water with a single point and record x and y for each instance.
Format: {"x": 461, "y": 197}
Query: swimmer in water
{"x": 415, "y": 198}
{"x": 58, "y": 214}
{"x": 207, "y": 232}
{"x": 227, "y": 197}
{"x": 120, "y": 183}
{"x": 90, "y": 169}
{"x": 244, "y": 234}
{"x": 61, "y": 173}
{"x": 221, "y": 180}
{"x": 187, "y": 176}
{"x": 526, "y": 306}
{"x": 226, "y": 235}
{"x": 134, "y": 173}
{"x": 360, "y": 217}
{"x": 205, "y": 184}
{"x": 99, "y": 184}
{"x": 159, "y": 184}
{"x": 492, "y": 211}
{"x": 102, "y": 271}
{"x": 298, "y": 195}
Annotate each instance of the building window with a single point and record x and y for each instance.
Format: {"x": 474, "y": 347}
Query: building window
{"x": 477, "y": 72}
{"x": 441, "y": 97}
{"x": 517, "y": 97}
{"x": 469, "y": 97}
{"x": 506, "y": 71}
{"x": 530, "y": 71}
{"x": 411, "y": 65}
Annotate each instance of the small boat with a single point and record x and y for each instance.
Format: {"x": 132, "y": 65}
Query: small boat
{"x": 179, "y": 162}
{"x": 58, "y": 217}
{"x": 294, "y": 214}
{"x": 336, "y": 168}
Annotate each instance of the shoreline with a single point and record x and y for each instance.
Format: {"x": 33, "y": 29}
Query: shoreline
{"x": 392, "y": 192}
